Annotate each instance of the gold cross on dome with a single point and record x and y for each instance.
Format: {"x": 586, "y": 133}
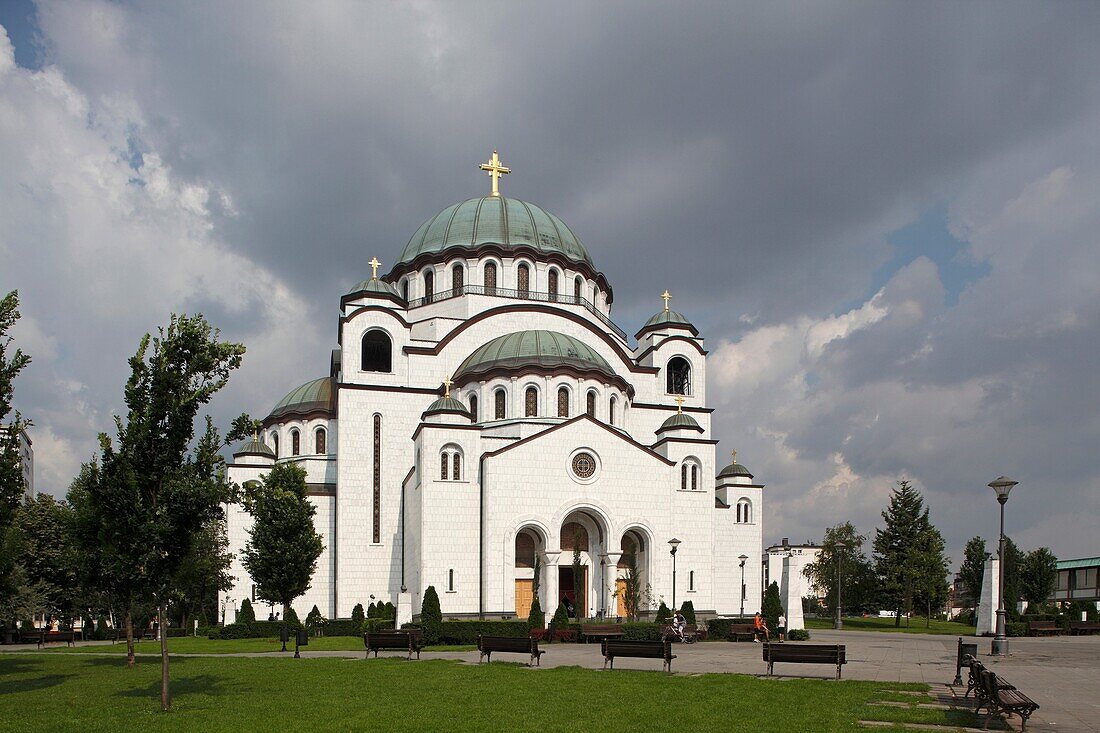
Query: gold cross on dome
{"x": 733, "y": 455}
{"x": 495, "y": 170}
{"x": 679, "y": 404}
{"x": 447, "y": 387}
{"x": 667, "y": 297}
{"x": 374, "y": 265}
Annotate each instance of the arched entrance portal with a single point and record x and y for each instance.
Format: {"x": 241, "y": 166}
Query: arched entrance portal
{"x": 632, "y": 574}
{"x": 580, "y": 565}
{"x": 528, "y": 547}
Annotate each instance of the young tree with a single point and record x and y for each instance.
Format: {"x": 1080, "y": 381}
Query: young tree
{"x": 902, "y": 548}
{"x": 247, "y": 614}
{"x": 931, "y": 585}
{"x": 11, "y": 466}
{"x": 536, "y": 618}
{"x": 856, "y": 572}
{"x": 431, "y": 617}
{"x": 632, "y": 586}
{"x": 773, "y": 606}
{"x": 687, "y": 608}
{"x": 1038, "y": 576}
{"x": 663, "y": 614}
{"x": 203, "y": 574}
{"x": 283, "y": 546}
{"x": 973, "y": 569}
{"x": 1013, "y": 562}
{"x": 357, "y": 614}
{"x": 579, "y": 601}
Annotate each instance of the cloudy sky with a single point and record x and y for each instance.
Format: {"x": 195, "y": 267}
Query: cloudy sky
{"x": 884, "y": 217}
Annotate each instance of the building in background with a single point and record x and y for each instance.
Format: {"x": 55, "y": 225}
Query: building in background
{"x": 801, "y": 556}
{"x": 1077, "y": 581}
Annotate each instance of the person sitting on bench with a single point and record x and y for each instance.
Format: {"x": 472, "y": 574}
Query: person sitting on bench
{"x": 761, "y": 627}
{"x": 679, "y": 623}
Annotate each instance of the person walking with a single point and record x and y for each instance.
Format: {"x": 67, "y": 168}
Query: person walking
{"x": 781, "y": 629}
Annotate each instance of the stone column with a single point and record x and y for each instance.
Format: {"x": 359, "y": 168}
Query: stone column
{"x": 789, "y": 594}
{"x": 611, "y": 576}
{"x": 990, "y": 598}
{"x": 550, "y": 588}
{"x": 404, "y": 608}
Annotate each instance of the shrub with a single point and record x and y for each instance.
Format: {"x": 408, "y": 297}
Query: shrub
{"x": 641, "y": 631}
{"x": 568, "y": 635}
{"x": 663, "y": 614}
{"x": 431, "y": 618}
{"x": 246, "y": 615}
{"x": 688, "y": 609}
{"x": 719, "y": 628}
{"x": 292, "y": 618}
{"x": 357, "y": 614}
{"x": 26, "y": 625}
{"x": 377, "y": 624}
{"x": 391, "y": 610}
{"x": 536, "y": 619}
{"x": 100, "y": 628}
{"x": 466, "y": 632}
{"x": 798, "y": 635}
{"x": 561, "y": 617}
{"x": 233, "y": 631}
{"x": 1016, "y": 628}
{"x": 314, "y": 620}
{"x": 773, "y": 607}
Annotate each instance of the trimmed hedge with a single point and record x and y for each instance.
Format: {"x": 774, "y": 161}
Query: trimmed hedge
{"x": 466, "y": 632}
{"x": 1016, "y": 628}
{"x": 641, "y": 631}
{"x": 718, "y": 629}
{"x": 798, "y": 635}
{"x": 561, "y": 635}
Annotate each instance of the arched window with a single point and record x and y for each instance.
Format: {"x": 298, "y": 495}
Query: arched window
{"x": 498, "y": 404}
{"x": 275, "y": 443}
{"x": 694, "y": 477}
{"x": 590, "y": 404}
{"x": 320, "y": 441}
{"x": 611, "y": 410}
{"x": 525, "y": 550}
{"x": 377, "y": 353}
{"x": 744, "y": 511}
{"x": 563, "y": 402}
{"x": 490, "y": 278}
{"x": 457, "y": 280}
{"x": 444, "y": 466}
{"x": 523, "y": 280}
{"x": 531, "y": 402}
{"x": 574, "y": 535}
{"x": 473, "y": 407}
{"x": 684, "y": 477}
{"x": 450, "y": 463}
{"x": 679, "y": 376}
{"x": 405, "y": 289}
{"x": 552, "y": 284}
{"x": 456, "y": 466}
{"x": 429, "y": 286}
{"x": 295, "y": 443}
{"x": 577, "y": 285}
{"x": 689, "y": 474}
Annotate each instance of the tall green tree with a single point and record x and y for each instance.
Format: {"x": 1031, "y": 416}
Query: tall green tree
{"x": 243, "y": 427}
{"x": 431, "y": 617}
{"x": 1013, "y": 562}
{"x": 48, "y": 555}
{"x": 11, "y": 466}
{"x": 972, "y": 570}
{"x": 167, "y": 490}
{"x": 903, "y": 550}
{"x": 1038, "y": 576}
{"x": 203, "y": 574}
{"x": 283, "y": 546}
{"x": 931, "y": 588}
{"x": 844, "y": 544}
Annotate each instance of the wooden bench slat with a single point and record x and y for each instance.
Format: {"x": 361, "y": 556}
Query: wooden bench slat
{"x": 797, "y": 653}
{"x": 641, "y": 649}
{"x": 486, "y": 645}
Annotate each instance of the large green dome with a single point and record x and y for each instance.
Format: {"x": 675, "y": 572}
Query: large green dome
{"x": 537, "y": 351}
{"x": 509, "y": 223}
{"x": 317, "y": 396}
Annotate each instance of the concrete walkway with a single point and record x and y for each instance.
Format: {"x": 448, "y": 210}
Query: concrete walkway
{"x": 1062, "y": 674}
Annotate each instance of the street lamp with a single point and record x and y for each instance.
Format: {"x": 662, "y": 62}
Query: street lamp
{"x": 840, "y": 547}
{"x": 1001, "y": 485}
{"x": 743, "y": 559}
{"x": 673, "y": 543}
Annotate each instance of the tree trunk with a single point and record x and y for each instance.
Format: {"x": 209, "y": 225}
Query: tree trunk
{"x": 129, "y": 638}
{"x": 165, "y": 698}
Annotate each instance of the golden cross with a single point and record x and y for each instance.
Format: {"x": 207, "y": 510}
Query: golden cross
{"x": 374, "y": 265}
{"x": 667, "y": 297}
{"x": 679, "y": 404}
{"x": 495, "y": 170}
{"x": 733, "y": 455}
{"x": 447, "y": 387}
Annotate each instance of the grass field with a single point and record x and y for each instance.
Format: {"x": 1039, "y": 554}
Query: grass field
{"x": 875, "y": 623}
{"x": 55, "y": 692}
{"x": 202, "y": 645}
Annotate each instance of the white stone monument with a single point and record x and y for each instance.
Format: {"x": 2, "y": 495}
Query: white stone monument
{"x": 404, "y": 609}
{"x": 789, "y": 594}
{"x": 987, "y": 605}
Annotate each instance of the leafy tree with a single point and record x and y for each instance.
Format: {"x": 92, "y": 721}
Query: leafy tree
{"x": 243, "y": 427}
{"x": 1013, "y": 562}
{"x": 431, "y": 617}
{"x": 357, "y": 614}
{"x": 204, "y": 573}
{"x": 12, "y": 579}
{"x": 904, "y": 550}
{"x": 390, "y": 611}
{"x": 972, "y": 570}
{"x": 931, "y": 587}
{"x": 773, "y": 606}
{"x": 663, "y": 614}
{"x": 171, "y": 491}
{"x": 687, "y": 608}
{"x": 633, "y": 593}
{"x": 537, "y": 619}
{"x": 48, "y": 555}
{"x": 247, "y": 614}
{"x": 857, "y": 583}
{"x": 283, "y": 546}
{"x": 1038, "y": 576}
{"x": 579, "y": 611}
{"x": 291, "y": 617}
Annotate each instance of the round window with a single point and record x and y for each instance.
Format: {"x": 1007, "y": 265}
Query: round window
{"x": 584, "y": 465}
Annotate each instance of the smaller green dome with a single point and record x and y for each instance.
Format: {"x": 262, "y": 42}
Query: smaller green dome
{"x": 446, "y": 405}
{"x": 679, "y": 421}
{"x": 253, "y": 447}
{"x": 316, "y": 396}
{"x": 374, "y": 285}
{"x": 668, "y": 319}
{"x": 734, "y": 470}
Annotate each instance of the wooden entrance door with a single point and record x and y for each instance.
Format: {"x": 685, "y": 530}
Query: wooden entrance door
{"x": 525, "y": 596}
{"x": 620, "y": 593}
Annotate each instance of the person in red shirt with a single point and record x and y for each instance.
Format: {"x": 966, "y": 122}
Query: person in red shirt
{"x": 761, "y": 627}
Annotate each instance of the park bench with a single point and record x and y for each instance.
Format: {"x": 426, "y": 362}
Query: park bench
{"x": 1004, "y": 699}
{"x": 410, "y": 641}
{"x": 742, "y": 631}
{"x": 486, "y": 645}
{"x": 804, "y": 654}
{"x": 45, "y": 637}
{"x": 641, "y": 649}
{"x": 1084, "y": 627}
{"x": 974, "y": 684}
{"x": 1038, "y": 628}
{"x": 601, "y": 631}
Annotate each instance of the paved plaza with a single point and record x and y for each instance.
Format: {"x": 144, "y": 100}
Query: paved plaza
{"x": 1062, "y": 674}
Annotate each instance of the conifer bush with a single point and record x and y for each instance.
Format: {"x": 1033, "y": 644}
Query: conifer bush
{"x": 357, "y": 614}
{"x": 663, "y": 614}
{"x": 246, "y": 615}
{"x": 688, "y": 609}
{"x": 537, "y": 619}
{"x": 561, "y": 617}
{"x": 773, "y": 607}
{"x": 431, "y": 618}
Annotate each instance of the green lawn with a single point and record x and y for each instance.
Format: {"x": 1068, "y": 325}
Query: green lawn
{"x": 875, "y": 623}
{"x": 54, "y": 692}
{"x": 202, "y": 645}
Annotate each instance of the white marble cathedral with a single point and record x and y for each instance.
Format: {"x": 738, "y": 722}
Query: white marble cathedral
{"x": 482, "y": 409}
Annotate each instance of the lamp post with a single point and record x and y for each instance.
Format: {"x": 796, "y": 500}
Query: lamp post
{"x": 840, "y": 547}
{"x": 1001, "y": 485}
{"x": 743, "y": 559}
{"x": 673, "y": 543}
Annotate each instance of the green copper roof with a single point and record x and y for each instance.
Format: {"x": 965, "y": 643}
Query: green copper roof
{"x": 374, "y": 285}
{"x": 310, "y": 397}
{"x": 255, "y": 448}
{"x": 667, "y": 318}
{"x": 680, "y": 421}
{"x": 495, "y": 220}
{"x": 446, "y": 404}
{"x": 733, "y": 470}
{"x": 545, "y": 350}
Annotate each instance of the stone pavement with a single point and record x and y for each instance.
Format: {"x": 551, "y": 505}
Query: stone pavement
{"x": 1062, "y": 673}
